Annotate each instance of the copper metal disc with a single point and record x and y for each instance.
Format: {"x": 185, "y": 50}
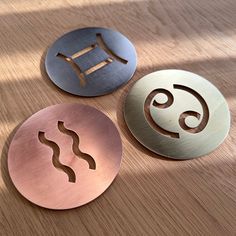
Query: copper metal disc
{"x": 64, "y": 156}
{"x": 177, "y": 114}
{"x": 91, "y": 61}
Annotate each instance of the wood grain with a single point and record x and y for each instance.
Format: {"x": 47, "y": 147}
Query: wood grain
{"x": 151, "y": 195}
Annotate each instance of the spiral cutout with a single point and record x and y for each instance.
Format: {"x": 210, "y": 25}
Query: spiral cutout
{"x": 203, "y": 119}
{"x": 184, "y": 115}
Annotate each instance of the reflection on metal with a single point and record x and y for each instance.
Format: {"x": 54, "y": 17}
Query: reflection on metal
{"x": 91, "y": 61}
{"x": 177, "y": 114}
{"x": 64, "y": 156}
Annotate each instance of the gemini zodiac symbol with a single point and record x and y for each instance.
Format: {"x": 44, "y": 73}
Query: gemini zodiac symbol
{"x": 91, "y": 61}
{"x": 100, "y": 43}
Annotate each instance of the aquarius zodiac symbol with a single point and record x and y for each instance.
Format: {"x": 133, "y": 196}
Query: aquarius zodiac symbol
{"x": 75, "y": 147}
{"x": 75, "y": 65}
{"x": 151, "y": 102}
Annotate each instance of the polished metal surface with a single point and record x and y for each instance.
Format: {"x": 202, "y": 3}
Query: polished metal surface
{"x": 177, "y": 114}
{"x": 91, "y": 61}
{"x": 64, "y": 156}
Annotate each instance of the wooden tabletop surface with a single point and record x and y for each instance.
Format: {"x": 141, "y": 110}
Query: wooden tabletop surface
{"x": 151, "y": 195}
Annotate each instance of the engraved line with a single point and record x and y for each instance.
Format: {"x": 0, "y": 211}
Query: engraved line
{"x": 55, "y": 157}
{"x": 75, "y": 145}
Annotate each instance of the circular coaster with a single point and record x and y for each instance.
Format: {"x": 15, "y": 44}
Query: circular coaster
{"x": 177, "y": 114}
{"x": 64, "y": 156}
{"x": 91, "y": 61}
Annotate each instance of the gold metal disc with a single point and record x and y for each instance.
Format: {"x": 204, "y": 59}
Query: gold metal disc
{"x": 177, "y": 114}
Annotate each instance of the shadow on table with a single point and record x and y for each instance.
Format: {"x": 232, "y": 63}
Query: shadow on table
{"x": 146, "y": 20}
{"x": 152, "y": 196}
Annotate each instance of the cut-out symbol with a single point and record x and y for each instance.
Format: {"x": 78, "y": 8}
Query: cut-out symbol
{"x": 111, "y": 56}
{"x": 177, "y": 114}
{"x": 64, "y": 156}
{"x": 75, "y": 147}
{"x": 191, "y": 127}
{"x": 91, "y": 61}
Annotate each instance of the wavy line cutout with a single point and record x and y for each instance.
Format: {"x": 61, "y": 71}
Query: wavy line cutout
{"x": 75, "y": 146}
{"x": 55, "y": 157}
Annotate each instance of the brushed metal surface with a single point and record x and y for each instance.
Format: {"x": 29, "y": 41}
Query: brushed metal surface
{"x": 177, "y": 114}
{"x": 91, "y": 61}
{"x": 64, "y": 156}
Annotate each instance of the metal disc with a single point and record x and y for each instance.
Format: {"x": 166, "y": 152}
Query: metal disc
{"x": 64, "y": 156}
{"x": 91, "y": 61}
{"x": 177, "y": 114}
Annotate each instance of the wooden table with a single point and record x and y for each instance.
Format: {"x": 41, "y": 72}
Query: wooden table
{"x": 151, "y": 195}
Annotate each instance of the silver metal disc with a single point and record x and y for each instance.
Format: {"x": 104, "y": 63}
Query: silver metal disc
{"x": 91, "y": 61}
{"x": 177, "y": 114}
